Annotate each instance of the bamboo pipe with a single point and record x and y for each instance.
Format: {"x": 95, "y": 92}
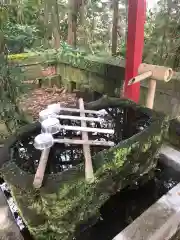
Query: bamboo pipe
{"x": 159, "y": 73}
{"x": 38, "y": 179}
{"x": 89, "y": 173}
{"x": 153, "y": 72}
{"x": 140, "y": 78}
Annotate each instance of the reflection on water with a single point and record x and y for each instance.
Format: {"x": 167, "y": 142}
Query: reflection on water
{"x": 125, "y": 122}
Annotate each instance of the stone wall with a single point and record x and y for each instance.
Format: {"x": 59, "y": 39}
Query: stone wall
{"x": 101, "y": 74}
{"x": 75, "y": 70}
{"x": 104, "y": 82}
{"x": 167, "y": 98}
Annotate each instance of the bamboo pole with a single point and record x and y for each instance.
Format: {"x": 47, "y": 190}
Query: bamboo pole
{"x": 89, "y": 174}
{"x": 151, "y": 93}
{"x": 38, "y": 179}
{"x": 159, "y": 73}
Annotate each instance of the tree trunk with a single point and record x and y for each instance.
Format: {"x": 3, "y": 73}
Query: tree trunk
{"x": 56, "y": 25}
{"x": 82, "y": 12}
{"x": 56, "y": 43}
{"x": 46, "y": 23}
{"x": 2, "y": 43}
{"x": 176, "y": 59}
{"x": 115, "y": 27}
{"x": 72, "y": 22}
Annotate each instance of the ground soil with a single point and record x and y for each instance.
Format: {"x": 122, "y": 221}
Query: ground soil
{"x": 38, "y": 99}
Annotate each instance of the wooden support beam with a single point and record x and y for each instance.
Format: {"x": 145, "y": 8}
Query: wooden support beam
{"x": 89, "y": 174}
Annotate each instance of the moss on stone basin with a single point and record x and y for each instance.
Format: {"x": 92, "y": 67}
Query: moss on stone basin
{"x": 66, "y": 201}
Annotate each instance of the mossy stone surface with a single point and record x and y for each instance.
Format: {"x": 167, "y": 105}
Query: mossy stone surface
{"x": 96, "y": 73}
{"x": 99, "y": 74}
{"x": 66, "y": 200}
{"x": 173, "y": 135}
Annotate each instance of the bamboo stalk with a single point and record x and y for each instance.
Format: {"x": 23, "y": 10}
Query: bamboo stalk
{"x": 81, "y": 142}
{"x": 38, "y": 179}
{"x": 89, "y": 174}
{"x": 159, "y": 73}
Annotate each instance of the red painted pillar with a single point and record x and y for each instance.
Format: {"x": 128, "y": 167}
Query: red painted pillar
{"x": 134, "y": 47}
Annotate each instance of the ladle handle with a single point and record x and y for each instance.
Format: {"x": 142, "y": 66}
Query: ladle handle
{"x": 38, "y": 179}
{"x": 79, "y": 110}
{"x": 89, "y": 119}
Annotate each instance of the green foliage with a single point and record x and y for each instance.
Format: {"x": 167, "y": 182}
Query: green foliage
{"x": 95, "y": 33}
{"x": 21, "y": 56}
{"x": 18, "y": 36}
{"x": 162, "y": 45}
{"x": 11, "y": 88}
{"x": 36, "y": 23}
{"x": 20, "y": 24}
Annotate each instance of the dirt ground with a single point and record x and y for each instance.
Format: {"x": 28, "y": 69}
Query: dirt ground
{"x": 38, "y": 99}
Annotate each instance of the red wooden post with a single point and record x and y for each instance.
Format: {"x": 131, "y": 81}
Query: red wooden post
{"x": 134, "y": 47}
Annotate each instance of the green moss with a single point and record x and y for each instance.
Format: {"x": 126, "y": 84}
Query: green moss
{"x": 120, "y": 156}
{"x": 158, "y": 139}
{"x": 146, "y": 146}
{"x": 96, "y": 73}
{"x": 21, "y": 56}
{"x": 173, "y": 135}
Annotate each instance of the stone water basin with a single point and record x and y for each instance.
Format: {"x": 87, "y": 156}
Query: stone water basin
{"x": 66, "y": 201}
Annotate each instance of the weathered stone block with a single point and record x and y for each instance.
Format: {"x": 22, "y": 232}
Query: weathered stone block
{"x": 173, "y": 135}
{"x": 100, "y": 74}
